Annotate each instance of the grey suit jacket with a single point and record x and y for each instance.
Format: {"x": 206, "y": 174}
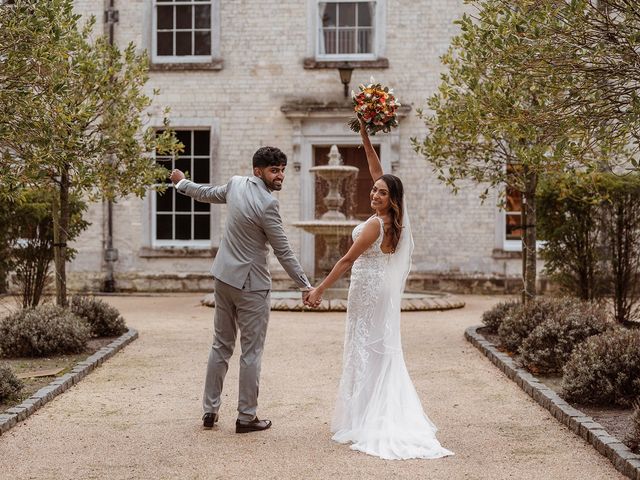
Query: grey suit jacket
{"x": 253, "y": 222}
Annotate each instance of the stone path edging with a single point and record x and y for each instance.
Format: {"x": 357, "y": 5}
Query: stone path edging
{"x": 12, "y": 416}
{"x": 624, "y": 460}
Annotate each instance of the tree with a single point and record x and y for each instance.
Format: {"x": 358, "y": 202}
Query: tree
{"x": 72, "y": 112}
{"x": 28, "y": 235}
{"x": 597, "y": 44}
{"x": 490, "y": 121}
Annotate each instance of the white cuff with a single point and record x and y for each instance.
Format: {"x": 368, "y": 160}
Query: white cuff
{"x": 177, "y": 185}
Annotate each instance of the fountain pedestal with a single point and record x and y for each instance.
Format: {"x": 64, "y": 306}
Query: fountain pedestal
{"x": 332, "y": 225}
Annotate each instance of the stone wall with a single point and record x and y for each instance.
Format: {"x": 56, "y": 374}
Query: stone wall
{"x": 263, "y": 46}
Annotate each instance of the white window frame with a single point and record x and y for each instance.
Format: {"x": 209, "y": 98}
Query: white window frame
{"x": 315, "y": 27}
{"x": 193, "y": 243}
{"x": 215, "y": 34}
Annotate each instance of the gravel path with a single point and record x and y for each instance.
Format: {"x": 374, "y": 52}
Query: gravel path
{"x": 138, "y": 415}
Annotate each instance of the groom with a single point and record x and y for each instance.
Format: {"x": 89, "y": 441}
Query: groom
{"x": 242, "y": 279}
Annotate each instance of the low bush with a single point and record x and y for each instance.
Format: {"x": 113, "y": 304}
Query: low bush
{"x": 44, "y": 330}
{"x": 604, "y": 369}
{"x": 635, "y": 427}
{"x": 10, "y": 385}
{"x": 494, "y": 317}
{"x": 104, "y": 320}
{"x": 520, "y": 322}
{"x": 550, "y": 344}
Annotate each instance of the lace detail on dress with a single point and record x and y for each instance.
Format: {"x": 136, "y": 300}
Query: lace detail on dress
{"x": 378, "y": 409}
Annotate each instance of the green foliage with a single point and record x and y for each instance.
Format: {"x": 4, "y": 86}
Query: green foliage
{"x": 494, "y": 317}
{"x": 28, "y": 233}
{"x": 41, "y": 331}
{"x": 604, "y": 369}
{"x": 591, "y": 224}
{"x": 10, "y": 385}
{"x": 568, "y": 219}
{"x": 104, "y": 320}
{"x": 549, "y": 345}
{"x": 520, "y": 322}
{"x": 74, "y": 112}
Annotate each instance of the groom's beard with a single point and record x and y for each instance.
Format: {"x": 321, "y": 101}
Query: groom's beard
{"x": 274, "y": 185}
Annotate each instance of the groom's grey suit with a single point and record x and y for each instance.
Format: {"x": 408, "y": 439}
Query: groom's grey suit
{"x": 243, "y": 282}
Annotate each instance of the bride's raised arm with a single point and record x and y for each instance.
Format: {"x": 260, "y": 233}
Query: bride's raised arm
{"x": 375, "y": 167}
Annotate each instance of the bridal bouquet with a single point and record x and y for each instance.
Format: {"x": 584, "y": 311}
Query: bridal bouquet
{"x": 377, "y": 106}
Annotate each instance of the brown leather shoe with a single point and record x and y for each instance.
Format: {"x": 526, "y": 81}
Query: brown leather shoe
{"x": 208, "y": 419}
{"x": 254, "y": 425}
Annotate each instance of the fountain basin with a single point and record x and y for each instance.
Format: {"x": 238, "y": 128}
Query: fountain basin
{"x": 336, "y": 301}
{"x": 328, "y": 227}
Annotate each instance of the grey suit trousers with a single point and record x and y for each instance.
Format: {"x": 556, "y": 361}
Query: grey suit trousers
{"x": 246, "y": 311}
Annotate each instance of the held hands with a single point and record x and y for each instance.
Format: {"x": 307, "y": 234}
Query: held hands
{"x": 176, "y": 176}
{"x": 313, "y": 298}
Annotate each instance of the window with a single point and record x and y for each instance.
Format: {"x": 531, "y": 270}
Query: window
{"x": 179, "y": 220}
{"x": 348, "y": 30}
{"x": 513, "y": 219}
{"x": 184, "y": 30}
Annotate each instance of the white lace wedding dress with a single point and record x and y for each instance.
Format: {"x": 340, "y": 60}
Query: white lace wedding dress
{"x": 378, "y": 410}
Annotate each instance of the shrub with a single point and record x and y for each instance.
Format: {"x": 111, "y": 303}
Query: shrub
{"x": 104, "y": 320}
{"x": 10, "y": 385}
{"x": 493, "y": 318}
{"x": 635, "y": 427}
{"x": 604, "y": 369}
{"x": 550, "y": 344}
{"x": 43, "y": 330}
{"x": 520, "y": 322}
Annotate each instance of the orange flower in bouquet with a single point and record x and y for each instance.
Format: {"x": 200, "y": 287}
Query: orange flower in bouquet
{"x": 376, "y": 105}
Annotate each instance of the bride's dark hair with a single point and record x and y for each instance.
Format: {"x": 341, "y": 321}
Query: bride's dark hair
{"x": 396, "y": 202}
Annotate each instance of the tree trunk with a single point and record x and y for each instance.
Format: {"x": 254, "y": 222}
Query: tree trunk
{"x": 60, "y": 229}
{"x": 529, "y": 237}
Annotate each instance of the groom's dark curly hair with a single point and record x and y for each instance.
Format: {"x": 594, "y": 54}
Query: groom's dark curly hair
{"x": 269, "y": 157}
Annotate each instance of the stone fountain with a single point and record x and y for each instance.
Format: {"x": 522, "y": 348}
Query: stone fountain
{"x": 333, "y": 225}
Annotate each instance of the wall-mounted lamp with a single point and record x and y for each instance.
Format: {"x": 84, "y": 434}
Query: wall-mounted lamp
{"x": 345, "y": 76}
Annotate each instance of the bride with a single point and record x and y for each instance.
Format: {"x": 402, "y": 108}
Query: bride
{"x": 378, "y": 410}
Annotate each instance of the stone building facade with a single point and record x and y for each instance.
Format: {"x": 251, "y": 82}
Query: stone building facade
{"x": 241, "y": 74}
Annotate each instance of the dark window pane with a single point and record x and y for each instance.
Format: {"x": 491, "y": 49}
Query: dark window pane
{"x": 346, "y": 41}
{"x": 202, "y": 43}
{"x": 201, "y": 206}
{"x": 183, "y": 227}
{"x": 165, "y": 43}
{"x": 165, "y": 18}
{"x": 183, "y": 17}
{"x": 347, "y": 15}
{"x": 364, "y": 14}
{"x": 329, "y": 15}
{"x": 201, "y": 227}
{"x": 201, "y": 142}
{"x": 203, "y": 16}
{"x": 185, "y": 138}
{"x": 184, "y": 165}
{"x": 164, "y": 201}
{"x": 364, "y": 41}
{"x": 201, "y": 171}
{"x": 163, "y": 227}
{"x": 183, "y": 203}
{"x": 183, "y": 43}
{"x": 330, "y": 41}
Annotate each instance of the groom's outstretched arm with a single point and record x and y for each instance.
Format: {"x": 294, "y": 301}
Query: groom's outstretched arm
{"x": 202, "y": 193}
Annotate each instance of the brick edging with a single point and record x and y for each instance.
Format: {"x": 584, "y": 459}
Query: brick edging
{"x": 623, "y": 459}
{"x": 12, "y": 416}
